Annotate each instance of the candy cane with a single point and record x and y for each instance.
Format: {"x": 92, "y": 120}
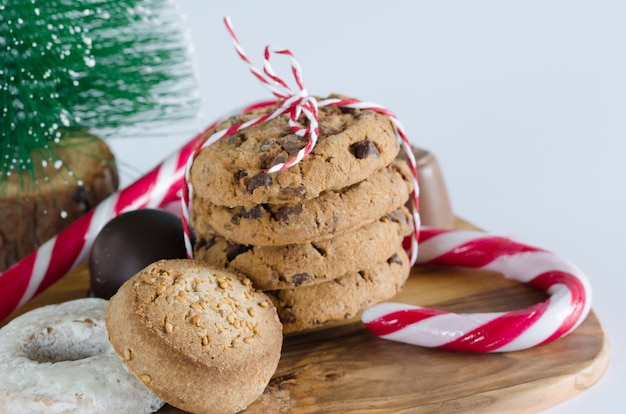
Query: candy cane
{"x": 70, "y": 247}
{"x": 565, "y": 309}
{"x": 294, "y": 103}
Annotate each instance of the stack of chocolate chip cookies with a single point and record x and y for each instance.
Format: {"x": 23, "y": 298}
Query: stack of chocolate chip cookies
{"x": 323, "y": 238}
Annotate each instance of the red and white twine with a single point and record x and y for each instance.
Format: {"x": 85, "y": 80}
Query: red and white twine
{"x": 296, "y": 103}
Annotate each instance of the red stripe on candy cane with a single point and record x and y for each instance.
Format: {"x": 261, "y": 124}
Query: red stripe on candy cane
{"x": 565, "y": 309}
{"x": 52, "y": 260}
{"x": 13, "y": 285}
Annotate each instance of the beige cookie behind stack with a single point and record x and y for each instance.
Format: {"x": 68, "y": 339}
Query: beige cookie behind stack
{"x": 323, "y": 238}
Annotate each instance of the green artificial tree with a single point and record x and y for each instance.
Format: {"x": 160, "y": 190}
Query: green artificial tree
{"x": 71, "y": 70}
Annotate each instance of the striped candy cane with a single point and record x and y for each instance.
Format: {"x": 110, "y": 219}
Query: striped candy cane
{"x": 71, "y": 246}
{"x": 565, "y": 309}
{"x": 294, "y": 103}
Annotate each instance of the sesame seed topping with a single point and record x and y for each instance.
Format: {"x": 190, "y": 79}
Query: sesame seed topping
{"x": 128, "y": 354}
{"x": 197, "y": 280}
{"x": 195, "y": 319}
{"x": 247, "y": 339}
{"x": 146, "y": 378}
{"x": 246, "y": 281}
{"x": 264, "y": 304}
{"x": 196, "y": 306}
{"x": 160, "y": 289}
{"x": 219, "y": 326}
{"x": 231, "y": 318}
{"x": 205, "y": 340}
{"x": 169, "y": 327}
{"x": 150, "y": 281}
{"x": 181, "y": 299}
{"x": 251, "y": 312}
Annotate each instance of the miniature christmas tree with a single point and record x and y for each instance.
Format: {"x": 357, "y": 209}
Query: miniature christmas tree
{"x": 70, "y": 68}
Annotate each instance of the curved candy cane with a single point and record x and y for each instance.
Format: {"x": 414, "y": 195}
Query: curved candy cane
{"x": 568, "y": 304}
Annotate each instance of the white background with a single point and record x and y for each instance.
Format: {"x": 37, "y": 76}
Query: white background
{"x": 523, "y": 103}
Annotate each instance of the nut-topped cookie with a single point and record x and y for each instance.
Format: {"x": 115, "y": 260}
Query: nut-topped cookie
{"x": 292, "y": 265}
{"x": 200, "y": 337}
{"x": 333, "y": 212}
{"x": 352, "y": 144}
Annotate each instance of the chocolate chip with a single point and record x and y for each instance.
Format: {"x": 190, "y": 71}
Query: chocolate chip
{"x": 327, "y": 130}
{"x": 394, "y": 259}
{"x": 204, "y": 243}
{"x": 285, "y": 212}
{"x": 254, "y": 213}
{"x": 294, "y": 191}
{"x": 241, "y": 174}
{"x": 259, "y": 180}
{"x": 300, "y": 278}
{"x": 365, "y": 149}
{"x": 293, "y": 143}
{"x": 269, "y": 160}
{"x": 346, "y": 110}
{"x": 235, "y": 249}
{"x": 237, "y": 139}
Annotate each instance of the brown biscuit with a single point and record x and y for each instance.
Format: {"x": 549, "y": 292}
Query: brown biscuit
{"x": 352, "y": 144}
{"x": 331, "y": 213}
{"x": 281, "y": 267}
{"x": 199, "y": 337}
{"x": 307, "y": 307}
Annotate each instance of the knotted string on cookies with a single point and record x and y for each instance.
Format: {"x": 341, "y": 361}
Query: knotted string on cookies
{"x": 295, "y": 103}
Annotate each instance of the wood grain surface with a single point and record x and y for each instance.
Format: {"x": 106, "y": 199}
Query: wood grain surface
{"x": 345, "y": 369}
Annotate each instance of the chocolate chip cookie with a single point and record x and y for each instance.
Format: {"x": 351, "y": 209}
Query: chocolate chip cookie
{"x": 307, "y": 307}
{"x": 352, "y": 144}
{"x": 281, "y": 267}
{"x": 331, "y": 213}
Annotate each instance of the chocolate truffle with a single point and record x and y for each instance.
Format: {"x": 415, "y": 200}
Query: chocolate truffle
{"x": 130, "y": 242}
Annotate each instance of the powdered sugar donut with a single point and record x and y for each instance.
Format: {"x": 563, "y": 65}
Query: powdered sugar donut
{"x": 58, "y": 359}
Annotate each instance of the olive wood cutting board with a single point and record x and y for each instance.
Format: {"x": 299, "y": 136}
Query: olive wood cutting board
{"x": 345, "y": 369}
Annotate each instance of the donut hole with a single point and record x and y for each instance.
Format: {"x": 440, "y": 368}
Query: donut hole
{"x": 71, "y": 343}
